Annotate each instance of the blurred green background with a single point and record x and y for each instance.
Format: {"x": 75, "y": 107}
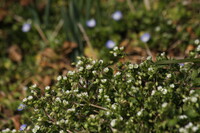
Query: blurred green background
{"x": 40, "y": 38}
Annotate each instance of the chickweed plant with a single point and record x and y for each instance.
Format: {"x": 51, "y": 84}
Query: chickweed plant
{"x": 102, "y": 97}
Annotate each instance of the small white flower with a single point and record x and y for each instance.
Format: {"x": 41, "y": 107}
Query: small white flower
{"x": 106, "y": 70}
{"x": 66, "y": 121}
{"x": 65, "y": 102}
{"x": 140, "y": 112}
{"x": 93, "y": 62}
{"x": 24, "y": 100}
{"x": 162, "y": 54}
{"x": 129, "y": 81}
{"x": 159, "y": 88}
{"x": 92, "y": 116}
{"x": 189, "y": 125}
{"x": 164, "y": 91}
{"x": 47, "y": 87}
{"x": 115, "y": 54}
{"x": 153, "y": 92}
{"x": 59, "y": 78}
{"x": 89, "y": 67}
{"x": 71, "y": 73}
{"x": 195, "y": 128}
{"x": 193, "y": 99}
{"x": 61, "y": 131}
{"x": 58, "y": 99}
{"x": 164, "y": 105}
{"x": 114, "y": 106}
{"x": 185, "y": 99}
{"x": 121, "y": 48}
{"x": 113, "y": 122}
{"x": 182, "y": 130}
{"x": 130, "y": 66}
{"x": 100, "y": 90}
{"x": 103, "y": 80}
{"x": 115, "y": 48}
{"x": 192, "y": 91}
{"x": 171, "y": 85}
{"x": 67, "y": 92}
{"x": 169, "y": 75}
{"x": 107, "y": 113}
{"x": 79, "y": 63}
{"x": 34, "y": 86}
{"x": 198, "y": 48}
{"x": 149, "y": 58}
{"x": 136, "y": 66}
{"x": 64, "y": 77}
{"x": 196, "y": 41}
{"x": 81, "y": 69}
{"x": 30, "y": 97}
{"x": 118, "y": 73}
{"x": 101, "y": 61}
{"x": 94, "y": 72}
{"x": 157, "y": 28}
{"x": 150, "y": 69}
{"x": 182, "y": 117}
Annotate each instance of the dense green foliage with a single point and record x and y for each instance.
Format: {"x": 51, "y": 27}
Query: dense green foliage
{"x": 39, "y": 39}
{"x": 96, "y": 97}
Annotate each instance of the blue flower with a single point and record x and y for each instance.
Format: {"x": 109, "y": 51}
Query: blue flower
{"x": 21, "y": 107}
{"x": 181, "y": 64}
{"x": 22, "y": 127}
{"x": 145, "y": 37}
{"x": 110, "y": 44}
{"x": 91, "y": 23}
{"x": 117, "y": 15}
{"x": 26, "y": 27}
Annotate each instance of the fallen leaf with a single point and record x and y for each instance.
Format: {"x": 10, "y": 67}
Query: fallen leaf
{"x": 68, "y": 47}
{"x": 25, "y": 2}
{"x": 16, "y": 121}
{"x": 189, "y": 48}
{"x": 3, "y": 13}
{"x": 14, "y": 53}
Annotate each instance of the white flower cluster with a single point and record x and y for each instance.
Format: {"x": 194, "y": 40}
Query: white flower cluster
{"x": 192, "y": 99}
{"x": 182, "y": 117}
{"x": 7, "y": 130}
{"x": 161, "y": 89}
{"x": 187, "y": 128}
{"x": 35, "y": 129}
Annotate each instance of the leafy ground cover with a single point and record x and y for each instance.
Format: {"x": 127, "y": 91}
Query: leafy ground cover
{"x": 40, "y": 39}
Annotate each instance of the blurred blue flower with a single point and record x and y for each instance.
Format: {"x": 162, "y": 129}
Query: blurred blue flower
{"x": 26, "y": 27}
{"x": 21, "y": 107}
{"x": 117, "y": 15}
{"x": 181, "y": 64}
{"x": 145, "y": 37}
{"x": 22, "y": 127}
{"x": 110, "y": 44}
{"x": 91, "y": 23}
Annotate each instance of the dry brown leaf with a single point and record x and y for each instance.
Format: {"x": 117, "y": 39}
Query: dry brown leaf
{"x": 68, "y": 47}
{"x": 49, "y": 53}
{"x": 189, "y": 48}
{"x": 25, "y": 2}
{"x": 46, "y": 80}
{"x": 16, "y": 121}
{"x": 15, "y": 53}
{"x": 124, "y": 43}
{"x": 3, "y": 13}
